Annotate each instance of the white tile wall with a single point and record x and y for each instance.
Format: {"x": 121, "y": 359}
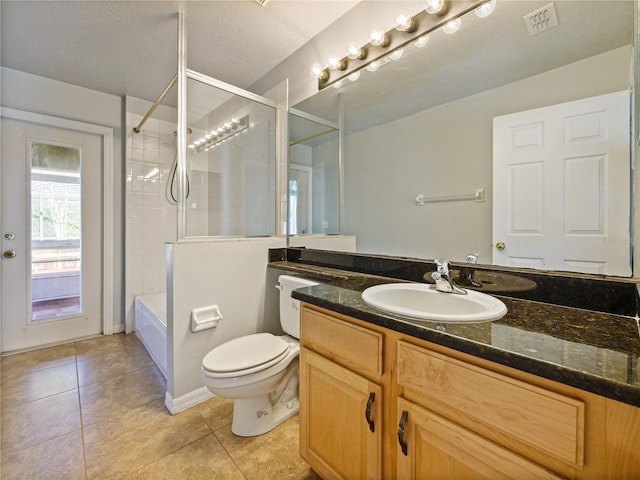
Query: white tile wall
{"x": 151, "y": 220}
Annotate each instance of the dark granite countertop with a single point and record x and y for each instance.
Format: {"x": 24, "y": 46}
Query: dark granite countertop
{"x": 593, "y": 351}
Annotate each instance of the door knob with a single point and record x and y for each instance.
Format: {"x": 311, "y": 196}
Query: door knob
{"x": 501, "y": 246}
{"x": 9, "y": 254}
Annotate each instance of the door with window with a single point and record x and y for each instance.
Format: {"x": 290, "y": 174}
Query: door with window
{"x": 51, "y": 235}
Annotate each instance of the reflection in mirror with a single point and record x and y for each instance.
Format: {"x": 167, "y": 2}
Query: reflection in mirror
{"x": 231, "y": 165}
{"x": 314, "y": 175}
{"x": 424, "y": 124}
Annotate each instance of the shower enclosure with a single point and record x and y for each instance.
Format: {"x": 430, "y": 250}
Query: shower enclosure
{"x": 200, "y": 166}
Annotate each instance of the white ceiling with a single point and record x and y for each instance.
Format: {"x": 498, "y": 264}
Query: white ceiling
{"x": 129, "y": 47}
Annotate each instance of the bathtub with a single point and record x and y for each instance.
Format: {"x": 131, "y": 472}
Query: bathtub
{"x": 151, "y": 326}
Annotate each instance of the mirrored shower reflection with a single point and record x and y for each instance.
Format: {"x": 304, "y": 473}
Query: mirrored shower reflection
{"x": 314, "y": 177}
{"x": 231, "y": 164}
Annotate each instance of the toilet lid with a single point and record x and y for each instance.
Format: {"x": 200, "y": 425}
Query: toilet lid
{"x": 248, "y": 352}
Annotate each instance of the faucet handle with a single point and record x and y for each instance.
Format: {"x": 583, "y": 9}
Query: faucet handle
{"x": 471, "y": 258}
{"x": 443, "y": 266}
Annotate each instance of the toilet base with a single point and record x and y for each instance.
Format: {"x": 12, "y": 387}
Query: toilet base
{"x": 256, "y": 415}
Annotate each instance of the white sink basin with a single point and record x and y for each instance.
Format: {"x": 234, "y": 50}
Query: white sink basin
{"x": 418, "y": 300}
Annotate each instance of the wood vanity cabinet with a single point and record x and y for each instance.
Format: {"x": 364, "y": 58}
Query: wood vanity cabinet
{"x": 341, "y": 390}
{"x": 441, "y": 414}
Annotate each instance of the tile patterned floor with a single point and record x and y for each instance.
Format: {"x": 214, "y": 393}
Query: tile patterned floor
{"x": 95, "y": 410}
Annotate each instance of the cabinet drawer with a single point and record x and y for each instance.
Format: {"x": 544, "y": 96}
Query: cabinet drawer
{"x": 545, "y": 420}
{"x": 355, "y": 347}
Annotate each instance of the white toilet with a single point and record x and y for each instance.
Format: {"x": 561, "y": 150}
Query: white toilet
{"x": 260, "y": 371}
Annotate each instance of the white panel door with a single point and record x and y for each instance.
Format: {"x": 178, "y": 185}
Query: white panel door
{"x": 51, "y": 235}
{"x": 300, "y": 200}
{"x": 562, "y": 178}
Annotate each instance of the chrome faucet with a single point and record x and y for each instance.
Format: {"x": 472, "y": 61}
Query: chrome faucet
{"x": 444, "y": 282}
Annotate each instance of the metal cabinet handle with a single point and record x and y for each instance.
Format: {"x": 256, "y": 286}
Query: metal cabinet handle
{"x": 367, "y": 412}
{"x": 401, "y": 425}
{"x": 9, "y": 254}
{"x": 501, "y": 245}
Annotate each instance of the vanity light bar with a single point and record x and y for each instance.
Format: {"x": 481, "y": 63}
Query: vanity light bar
{"x": 221, "y": 134}
{"x": 421, "y": 24}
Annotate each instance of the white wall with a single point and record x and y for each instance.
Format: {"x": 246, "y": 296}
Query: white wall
{"x": 447, "y": 150}
{"x": 231, "y": 273}
{"x": 32, "y": 93}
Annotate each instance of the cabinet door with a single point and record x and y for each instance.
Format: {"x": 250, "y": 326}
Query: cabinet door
{"x": 431, "y": 447}
{"x": 340, "y": 420}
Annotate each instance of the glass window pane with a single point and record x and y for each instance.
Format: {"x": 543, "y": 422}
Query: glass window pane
{"x": 55, "y": 231}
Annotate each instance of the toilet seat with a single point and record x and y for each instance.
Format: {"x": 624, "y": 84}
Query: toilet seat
{"x": 245, "y": 355}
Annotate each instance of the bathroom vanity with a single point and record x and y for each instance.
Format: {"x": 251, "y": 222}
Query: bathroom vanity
{"x": 549, "y": 391}
{"x": 379, "y": 404}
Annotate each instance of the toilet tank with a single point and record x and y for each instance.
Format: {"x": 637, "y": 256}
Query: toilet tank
{"x": 290, "y": 307}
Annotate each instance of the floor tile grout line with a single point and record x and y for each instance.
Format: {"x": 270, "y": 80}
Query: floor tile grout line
{"x": 173, "y": 451}
{"x": 28, "y": 402}
{"x": 84, "y": 452}
{"x": 228, "y": 452}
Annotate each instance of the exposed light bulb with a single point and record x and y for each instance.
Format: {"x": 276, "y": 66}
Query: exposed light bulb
{"x": 373, "y": 66}
{"x": 317, "y": 70}
{"x": 452, "y": 26}
{"x": 486, "y": 9}
{"x": 403, "y": 23}
{"x": 334, "y": 63}
{"x": 354, "y": 51}
{"x": 354, "y": 76}
{"x": 338, "y": 84}
{"x": 396, "y": 54}
{"x": 434, "y": 6}
{"x": 421, "y": 41}
{"x": 377, "y": 37}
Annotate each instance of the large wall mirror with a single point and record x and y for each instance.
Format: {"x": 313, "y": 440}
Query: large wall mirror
{"x": 314, "y": 175}
{"x": 421, "y": 135}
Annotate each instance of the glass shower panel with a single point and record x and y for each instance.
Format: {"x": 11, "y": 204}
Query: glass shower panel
{"x": 231, "y": 163}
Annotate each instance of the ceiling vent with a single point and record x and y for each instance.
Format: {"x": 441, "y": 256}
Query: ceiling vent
{"x": 262, "y": 2}
{"x": 542, "y": 19}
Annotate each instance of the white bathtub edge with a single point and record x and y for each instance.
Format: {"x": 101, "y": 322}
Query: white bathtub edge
{"x": 183, "y": 402}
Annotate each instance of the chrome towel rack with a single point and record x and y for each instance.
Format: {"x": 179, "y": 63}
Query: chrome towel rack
{"x": 478, "y": 196}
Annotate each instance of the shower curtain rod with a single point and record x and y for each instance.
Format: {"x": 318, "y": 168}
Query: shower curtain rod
{"x": 156, "y": 103}
{"x": 291, "y": 144}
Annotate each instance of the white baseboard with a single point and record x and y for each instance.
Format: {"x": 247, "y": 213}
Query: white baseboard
{"x": 191, "y": 399}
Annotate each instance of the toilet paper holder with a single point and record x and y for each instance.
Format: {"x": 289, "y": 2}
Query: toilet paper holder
{"x": 205, "y": 317}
